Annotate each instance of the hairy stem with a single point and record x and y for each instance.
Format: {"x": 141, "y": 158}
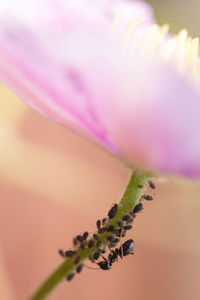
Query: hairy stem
{"x": 129, "y": 200}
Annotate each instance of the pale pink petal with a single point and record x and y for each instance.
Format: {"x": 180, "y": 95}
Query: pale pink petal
{"x": 37, "y": 40}
{"x": 156, "y": 125}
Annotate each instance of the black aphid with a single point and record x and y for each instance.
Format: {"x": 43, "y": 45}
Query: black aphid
{"x": 111, "y": 238}
{"x": 116, "y": 240}
{"x": 119, "y": 232}
{"x": 120, "y": 223}
{"x": 110, "y": 258}
{"x": 85, "y": 236}
{"x": 79, "y": 238}
{"x": 130, "y": 221}
{"x": 128, "y": 227}
{"x": 116, "y": 252}
{"x": 113, "y": 256}
{"x": 95, "y": 236}
{"x": 152, "y": 185}
{"x": 105, "y": 265}
{"x": 111, "y": 228}
{"x": 103, "y": 251}
{"x": 98, "y": 224}
{"x": 126, "y": 248}
{"x": 90, "y": 244}
{"x": 70, "y": 276}
{"x": 77, "y": 260}
{"x": 148, "y": 197}
{"x": 123, "y": 232}
{"x": 126, "y": 218}
{"x": 79, "y": 268}
{"x": 113, "y": 211}
{"x": 61, "y": 252}
{"x": 96, "y": 255}
{"x": 104, "y": 221}
{"x": 138, "y": 208}
{"x": 70, "y": 253}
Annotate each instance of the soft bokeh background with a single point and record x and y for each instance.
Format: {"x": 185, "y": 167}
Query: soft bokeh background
{"x": 179, "y": 14}
{"x": 54, "y": 184}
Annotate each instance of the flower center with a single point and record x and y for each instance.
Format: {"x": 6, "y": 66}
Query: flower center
{"x": 154, "y": 41}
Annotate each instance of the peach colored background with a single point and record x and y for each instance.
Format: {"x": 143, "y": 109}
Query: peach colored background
{"x": 54, "y": 184}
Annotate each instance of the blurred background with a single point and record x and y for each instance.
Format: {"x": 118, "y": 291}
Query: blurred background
{"x": 179, "y": 14}
{"x": 54, "y": 185}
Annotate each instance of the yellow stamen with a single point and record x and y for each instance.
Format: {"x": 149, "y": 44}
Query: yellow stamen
{"x": 115, "y": 22}
{"x": 154, "y": 42}
{"x": 131, "y": 28}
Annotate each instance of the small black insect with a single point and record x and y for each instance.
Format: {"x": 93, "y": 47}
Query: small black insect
{"x": 102, "y": 230}
{"x": 70, "y": 276}
{"x": 111, "y": 228}
{"x": 98, "y": 224}
{"x": 116, "y": 240}
{"x": 126, "y": 218}
{"x": 79, "y": 238}
{"x": 130, "y": 221}
{"x": 79, "y": 268}
{"x": 116, "y": 252}
{"x": 61, "y": 252}
{"x": 85, "y": 236}
{"x": 103, "y": 251}
{"x": 113, "y": 211}
{"x": 95, "y": 236}
{"x": 120, "y": 223}
{"x": 138, "y": 208}
{"x": 128, "y": 227}
{"x": 111, "y": 238}
{"x": 70, "y": 253}
{"x": 90, "y": 244}
{"x": 96, "y": 255}
{"x": 77, "y": 260}
{"x": 148, "y": 197}
{"x": 152, "y": 185}
{"x": 126, "y": 248}
{"x": 134, "y": 215}
{"x": 113, "y": 256}
{"x": 104, "y": 221}
{"x": 105, "y": 265}
{"x": 119, "y": 232}
{"x": 123, "y": 234}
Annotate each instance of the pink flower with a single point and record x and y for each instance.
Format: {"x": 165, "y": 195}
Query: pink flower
{"x": 99, "y": 69}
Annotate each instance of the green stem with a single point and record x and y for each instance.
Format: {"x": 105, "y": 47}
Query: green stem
{"x": 130, "y": 198}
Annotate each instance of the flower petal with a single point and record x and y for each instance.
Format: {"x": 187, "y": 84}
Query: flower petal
{"x": 157, "y": 125}
{"x": 60, "y": 58}
{"x": 53, "y": 78}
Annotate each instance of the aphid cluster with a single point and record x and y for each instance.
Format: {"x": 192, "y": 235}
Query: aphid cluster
{"x": 125, "y": 249}
{"x": 113, "y": 232}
